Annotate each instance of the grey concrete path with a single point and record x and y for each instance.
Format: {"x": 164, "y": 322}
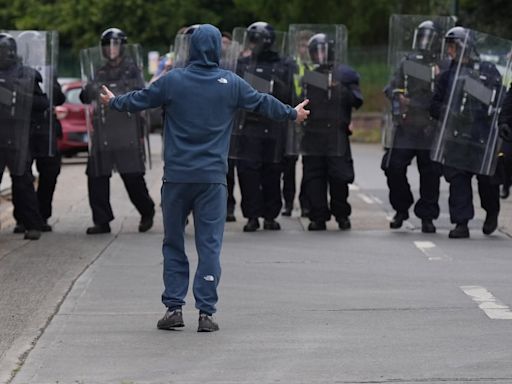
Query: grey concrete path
{"x": 364, "y": 306}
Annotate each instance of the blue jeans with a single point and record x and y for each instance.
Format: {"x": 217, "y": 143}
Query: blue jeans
{"x": 207, "y": 202}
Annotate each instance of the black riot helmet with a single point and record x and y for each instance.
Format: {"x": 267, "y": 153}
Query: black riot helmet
{"x": 112, "y": 43}
{"x": 261, "y": 36}
{"x": 8, "y": 51}
{"x": 463, "y": 42}
{"x": 426, "y": 37}
{"x": 321, "y": 49}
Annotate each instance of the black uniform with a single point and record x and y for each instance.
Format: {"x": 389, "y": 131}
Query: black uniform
{"x": 48, "y": 164}
{"x": 413, "y": 137}
{"x": 506, "y": 149}
{"x": 259, "y": 173}
{"x": 328, "y": 171}
{"x": 129, "y": 163}
{"x": 23, "y": 194}
{"x": 461, "y": 192}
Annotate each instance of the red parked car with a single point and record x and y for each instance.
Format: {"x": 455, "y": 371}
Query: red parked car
{"x": 72, "y": 118}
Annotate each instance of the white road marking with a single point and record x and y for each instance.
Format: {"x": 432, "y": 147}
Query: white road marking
{"x": 377, "y": 200}
{"x": 491, "y": 306}
{"x": 366, "y": 199}
{"x": 430, "y": 250}
{"x": 353, "y": 187}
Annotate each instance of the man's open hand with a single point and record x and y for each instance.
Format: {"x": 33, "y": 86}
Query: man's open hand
{"x": 106, "y": 95}
{"x": 302, "y": 114}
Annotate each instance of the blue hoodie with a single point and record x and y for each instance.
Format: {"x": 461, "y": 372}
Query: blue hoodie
{"x": 200, "y": 103}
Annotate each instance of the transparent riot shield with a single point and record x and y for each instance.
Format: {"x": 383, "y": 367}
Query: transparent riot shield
{"x": 39, "y": 51}
{"x": 118, "y": 140}
{"x": 318, "y": 51}
{"x": 230, "y": 52}
{"x": 415, "y": 58}
{"x": 16, "y": 97}
{"x": 265, "y": 67}
{"x": 182, "y": 50}
{"x": 468, "y": 134}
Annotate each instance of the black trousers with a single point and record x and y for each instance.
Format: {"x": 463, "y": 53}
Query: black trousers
{"x": 99, "y": 196}
{"x": 323, "y": 175}
{"x": 230, "y": 177}
{"x": 289, "y": 166}
{"x": 461, "y": 194}
{"x": 395, "y": 163}
{"x": 24, "y": 198}
{"x": 49, "y": 170}
{"x": 260, "y": 185}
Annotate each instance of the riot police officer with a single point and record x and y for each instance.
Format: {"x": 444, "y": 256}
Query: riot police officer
{"x": 472, "y": 116}
{"x": 259, "y": 167}
{"x": 21, "y": 97}
{"x": 410, "y": 93}
{"x": 505, "y": 128}
{"x": 328, "y": 130}
{"x": 116, "y": 140}
{"x": 45, "y": 127}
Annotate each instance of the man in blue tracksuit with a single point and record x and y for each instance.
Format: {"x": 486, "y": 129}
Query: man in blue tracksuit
{"x": 200, "y": 102}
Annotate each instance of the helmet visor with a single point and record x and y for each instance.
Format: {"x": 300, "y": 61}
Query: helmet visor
{"x": 320, "y": 53}
{"x": 423, "y": 39}
{"x": 112, "y": 48}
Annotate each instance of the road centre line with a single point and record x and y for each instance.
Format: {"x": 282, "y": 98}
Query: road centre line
{"x": 492, "y": 307}
{"x": 366, "y": 199}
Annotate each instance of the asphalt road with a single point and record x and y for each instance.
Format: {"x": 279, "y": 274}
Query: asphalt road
{"x": 368, "y": 305}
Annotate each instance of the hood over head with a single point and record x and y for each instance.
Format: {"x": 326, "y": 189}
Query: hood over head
{"x": 205, "y": 46}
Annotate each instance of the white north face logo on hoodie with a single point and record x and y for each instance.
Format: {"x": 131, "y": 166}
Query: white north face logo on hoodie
{"x": 222, "y": 80}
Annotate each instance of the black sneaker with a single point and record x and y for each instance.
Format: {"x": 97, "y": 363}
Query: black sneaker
{"x": 172, "y": 319}
{"x": 230, "y": 218}
{"x": 252, "y": 225}
{"x": 32, "y": 234}
{"x": 19, "y": 228}
{"x": 206, "y": 323}
{"x": 427, "y": 226}
{"x": 271, "y": 225}
{"x": 317, "y": 226}
{"x": 98, "y": 228}
{"x": 398, "y": 220}
{"x": 490, "y": 223}
{"x": 146, "y": 222}
{"x": 461, "y": 231}
{"x": 344, "y": 223}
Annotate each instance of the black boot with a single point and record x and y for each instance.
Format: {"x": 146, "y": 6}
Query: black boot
{"x": 252, "y": 225}
{"x": 46, "y": 227}
{"x": 427, "y": 226}
{"x": 230, "y": 217}
{"x": 19, "y": 228}
{"x": 32, "y": 234}
{"x": 398, "y": 220}
{"x": 344, "y": 223}
{"x": 271, "y": 225}
{"x": 317, "y": 226}
{"x": 505, "y": 191}
{"x": 461, "y": 231}
{"x": 287, "y": 211}
{"x": 146, "y": 222}
{"x": 490, "y": 223}
{"x": 98, "y": 228}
